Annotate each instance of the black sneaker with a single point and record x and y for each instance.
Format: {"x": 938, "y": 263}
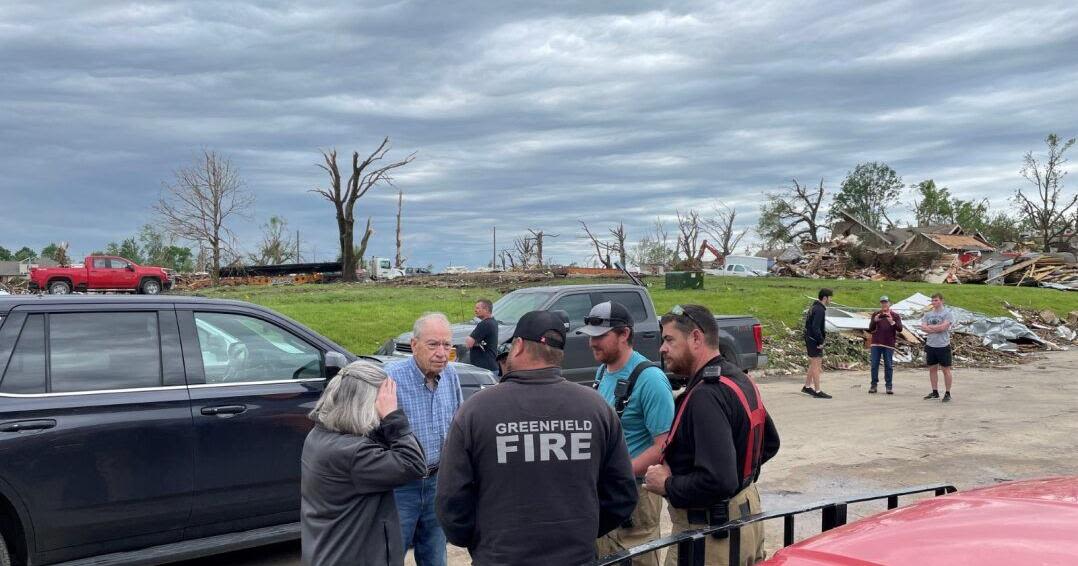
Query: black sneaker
{"x": 872, "y": 388}
{"x": 821, "y": 395}
{"x": 890, "y": 391}
{"x": 933, "y": 395}
{"x": 946, "y": 397}
{"x": 808, "y": 391}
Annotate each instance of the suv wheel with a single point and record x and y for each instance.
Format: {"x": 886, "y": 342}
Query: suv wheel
{"x": 59, "y": 288}
{"x": 151, "y": 287}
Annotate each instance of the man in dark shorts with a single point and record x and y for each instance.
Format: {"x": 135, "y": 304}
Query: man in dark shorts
{"x": 936, "y": 324}
{"x": 483, "y": 342}
{"x": 814, "y": 339}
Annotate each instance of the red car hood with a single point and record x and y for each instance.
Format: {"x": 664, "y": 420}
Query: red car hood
{"x": 1024, "y": 522}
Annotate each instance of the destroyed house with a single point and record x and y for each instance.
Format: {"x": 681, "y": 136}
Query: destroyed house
{"x": 849, "y": 225}
{"x": 961, "y": 244}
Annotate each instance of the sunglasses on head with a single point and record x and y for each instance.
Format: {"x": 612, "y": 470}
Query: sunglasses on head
{"x": 679, "y": 310}
{"x": 600, "y": 321}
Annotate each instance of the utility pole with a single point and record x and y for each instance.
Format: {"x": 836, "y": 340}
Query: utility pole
{"x": 494, "y": 251}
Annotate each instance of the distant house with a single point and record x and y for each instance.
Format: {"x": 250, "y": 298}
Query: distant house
{"x": 962, "y": 244}
{"x": 849, "y": 225}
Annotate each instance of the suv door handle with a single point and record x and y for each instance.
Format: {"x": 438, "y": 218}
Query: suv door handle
{"x": 19, "y": 426}
{"x": 649, "y": 334}
{"x": 224, "y": 410}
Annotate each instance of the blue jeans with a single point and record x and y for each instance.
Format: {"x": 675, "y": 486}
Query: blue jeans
{"x": 888, "y": 364}
{"x": 419, "y": 526}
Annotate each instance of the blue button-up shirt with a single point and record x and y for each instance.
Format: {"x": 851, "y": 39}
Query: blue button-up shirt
{"x": 429, "y": 411}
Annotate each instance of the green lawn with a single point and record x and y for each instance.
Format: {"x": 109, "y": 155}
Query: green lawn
{"x": 362, "y": 316}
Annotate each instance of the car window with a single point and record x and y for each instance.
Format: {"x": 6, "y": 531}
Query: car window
{"x": 118, "y": 264}
{"x": 577, "y": 306}
{"x": 739, "y": 268}
{"x": 238, "y": 348}
{"x": 26, "y": 370}
{"x": 631, "y": 301}
{"x": 509, "y": 309}
{"x": 101, "y": 263}
{"x": 103, "y": 350}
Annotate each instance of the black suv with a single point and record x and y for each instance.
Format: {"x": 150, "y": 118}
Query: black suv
{"x": 154, "y": 429}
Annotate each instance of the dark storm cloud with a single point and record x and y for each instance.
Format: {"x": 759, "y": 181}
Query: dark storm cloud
{"x": 523, "y": 115}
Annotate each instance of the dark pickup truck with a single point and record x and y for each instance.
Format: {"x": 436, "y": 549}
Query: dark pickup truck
{"x": 145, "y": 430}
{"x": 740, "y": 337}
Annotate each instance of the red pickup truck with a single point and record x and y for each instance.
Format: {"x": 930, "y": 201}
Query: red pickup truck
{"x": 100, "y": 273}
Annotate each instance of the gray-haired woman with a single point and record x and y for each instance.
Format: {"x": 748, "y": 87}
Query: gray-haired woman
{"x": 359, "y": 450}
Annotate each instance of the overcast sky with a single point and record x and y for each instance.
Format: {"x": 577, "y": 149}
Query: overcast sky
{"x": 522, "y": 114}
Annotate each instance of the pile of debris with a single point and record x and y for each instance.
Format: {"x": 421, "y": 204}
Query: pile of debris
{"x": 497, "y": 279}
{"x": 1056, "y": 271}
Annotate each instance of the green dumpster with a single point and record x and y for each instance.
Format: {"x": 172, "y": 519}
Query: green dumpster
{"x": 685, "y": 280}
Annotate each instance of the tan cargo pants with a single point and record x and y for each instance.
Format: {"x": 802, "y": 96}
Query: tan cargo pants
{"x": 645, "y": 528}
{"x": 718, "y": 550}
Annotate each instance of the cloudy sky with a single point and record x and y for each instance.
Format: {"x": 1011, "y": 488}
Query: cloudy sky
{"x": 523, "y": 114}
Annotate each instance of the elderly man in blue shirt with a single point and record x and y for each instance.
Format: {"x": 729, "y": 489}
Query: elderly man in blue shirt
{"x": 428, "y": 390}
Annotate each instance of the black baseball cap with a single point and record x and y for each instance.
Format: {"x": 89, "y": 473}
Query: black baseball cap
{"x": 533, "y": 325}
{"x": 605, "y": 317}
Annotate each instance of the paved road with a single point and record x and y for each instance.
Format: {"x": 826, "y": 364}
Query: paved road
{"x": 1011, "y": 423}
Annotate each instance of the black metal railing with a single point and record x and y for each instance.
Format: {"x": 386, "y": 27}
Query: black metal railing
{"x": 691, "y": 544}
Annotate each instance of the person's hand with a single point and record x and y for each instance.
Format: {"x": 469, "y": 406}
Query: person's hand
{"x": 655, "y": 478}
{"x": 387, "y": 398}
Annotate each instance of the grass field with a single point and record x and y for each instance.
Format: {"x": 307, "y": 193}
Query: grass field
{"x": 362, "y": 316}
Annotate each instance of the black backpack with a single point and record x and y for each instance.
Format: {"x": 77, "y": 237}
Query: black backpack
{"x": 624, "y": 388}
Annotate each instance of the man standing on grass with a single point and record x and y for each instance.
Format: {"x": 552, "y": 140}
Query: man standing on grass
{"x": 884, "y": 327}
{"x": 483, "y": 342}
{"x": 937, "y": 323}
{"x": 814, "y": 339}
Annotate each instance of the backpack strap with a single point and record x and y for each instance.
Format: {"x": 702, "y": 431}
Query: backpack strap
{"x": 754, "y": 443}
{"x": 622, "y": 392}
{"x": 599, "y": 378}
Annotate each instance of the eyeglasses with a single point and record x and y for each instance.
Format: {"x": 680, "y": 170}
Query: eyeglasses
{"x": 678, "y": 310}
{"x": 600, "y": 321}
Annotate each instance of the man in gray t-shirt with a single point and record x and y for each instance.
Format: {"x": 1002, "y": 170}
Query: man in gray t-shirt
{"x": 936, "y": 323}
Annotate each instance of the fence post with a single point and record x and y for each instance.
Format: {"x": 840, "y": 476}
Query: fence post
{"x": 833, "y": 516}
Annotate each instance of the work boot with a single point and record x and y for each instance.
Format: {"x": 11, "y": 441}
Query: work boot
{"x": 808, "y": 391}
{"x": 872, "y": 388}
{"x": 947, "y": 397}
{"x": 934, "y": 395}
{"x": 821, "y": 395}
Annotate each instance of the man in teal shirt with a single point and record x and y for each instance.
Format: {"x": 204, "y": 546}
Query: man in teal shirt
{"x": 645, "y": 403}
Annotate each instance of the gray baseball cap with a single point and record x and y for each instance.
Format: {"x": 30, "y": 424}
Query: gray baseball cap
{"x": 884, "y": 299}
{"x": 605, "y": 317}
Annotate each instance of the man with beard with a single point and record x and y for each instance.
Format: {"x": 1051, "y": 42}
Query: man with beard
{"x": 535, "y": 468}
{"x": 721, "y": 436}
{"x": 640, "y": 393}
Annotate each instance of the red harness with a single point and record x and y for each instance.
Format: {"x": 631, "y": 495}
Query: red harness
{"x": 757, "y": 418}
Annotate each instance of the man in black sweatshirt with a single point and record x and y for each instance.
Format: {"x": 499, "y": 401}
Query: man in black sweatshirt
{"x": 534, "y": 469}
{"x": 814, "y": 339}
{"x": 721, "y": 436}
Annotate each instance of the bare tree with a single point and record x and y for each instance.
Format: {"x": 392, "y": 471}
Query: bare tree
{"x": 721, "y": 228}
{"x": 602, "y": 248}
{"x": 688, "y": 233}
{"x": 525, "y": 251}
{"x": 276, "y": 246}
{"x": 364, "y": 176}
{"x": 507, "y": 255}
{"x": 620, "y": 235}
{"x": 1047, "y": 211}
{"x": 399, "y": 259}
{"x": 792, "y": 215}
{"x": 654, "y": 248}
{"x": 200, "y": 201}
{"x": 539, "y": 236}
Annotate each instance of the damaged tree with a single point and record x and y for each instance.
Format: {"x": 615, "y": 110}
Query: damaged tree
{"x": 398, "y": 261}
{"x": 721, "y": 228}
{"x": 1047, "y": 211}
{"x": 525, "y": 251}
{"x": 364, "y": 176}
{"x": 276, "y": 247}
{"x": 200, "y": 201}
{"x": 537, "y": 238}
{"x": 688, "y": 234}
{"x": 602, "y": 248}
{"x": 792, "y": 215}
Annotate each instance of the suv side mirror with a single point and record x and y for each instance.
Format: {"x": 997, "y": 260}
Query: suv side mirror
{"x": 130, "y": 267}
{"x": 335, "y": 362}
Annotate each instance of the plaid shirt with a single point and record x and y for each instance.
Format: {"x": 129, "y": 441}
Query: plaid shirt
{"x": 429, "y": 412}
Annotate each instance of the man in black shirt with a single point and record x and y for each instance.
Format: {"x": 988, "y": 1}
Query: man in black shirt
{"x": 720, "y": 437}
{"x": 483, "y": 342}
{"x": 815, "y": 334}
